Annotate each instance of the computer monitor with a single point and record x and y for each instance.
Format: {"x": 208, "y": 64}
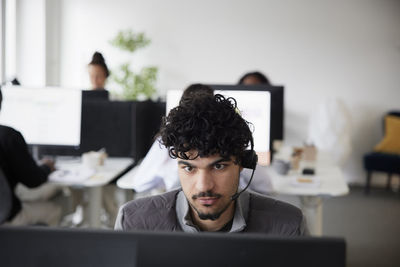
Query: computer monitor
{"x": 95, "y": 95}
{"x": 44, "y": 116}
{"x": 122, "y": 128}
{"x": 69, "y": 247}
{"x": 276, "y": 106}
{"x": 254, "y": 106}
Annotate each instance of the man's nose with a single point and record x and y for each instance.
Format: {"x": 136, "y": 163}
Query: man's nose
{"x": 204, "y": 181}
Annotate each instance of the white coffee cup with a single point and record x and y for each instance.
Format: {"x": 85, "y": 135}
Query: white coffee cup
{"x": 93, "y": 159}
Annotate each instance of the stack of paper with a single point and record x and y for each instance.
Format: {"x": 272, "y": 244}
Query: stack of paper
{"x": 73, "y": 175}
{"x": 306, "y": 181}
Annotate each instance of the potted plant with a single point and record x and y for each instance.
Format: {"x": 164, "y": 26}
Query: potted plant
{"x": 135, "y": 86}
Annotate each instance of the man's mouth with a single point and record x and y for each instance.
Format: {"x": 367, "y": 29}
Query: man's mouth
{"x": 206, "y": 198}
{"x": 207, "y": 201}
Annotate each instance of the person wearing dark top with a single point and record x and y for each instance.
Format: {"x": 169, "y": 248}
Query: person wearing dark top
{"x": 18, "y": 166}
{"x": 209, "y": 139}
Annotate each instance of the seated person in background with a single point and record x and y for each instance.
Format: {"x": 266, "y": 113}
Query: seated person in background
{"x": 254, "y": 78}
{"x": 18, "y": 166}
{"x": 257, "y": 78}
{"x": 159, "y": 172}
{"x": 208, "y": 139}
{"x": 98, "y": 72}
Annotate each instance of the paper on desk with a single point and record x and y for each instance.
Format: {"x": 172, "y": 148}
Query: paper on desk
{"x": 72, "y": 175}
{"x": 306, "y": 181}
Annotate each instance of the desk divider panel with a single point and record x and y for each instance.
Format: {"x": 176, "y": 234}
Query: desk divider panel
{"x": 123, "y": 128}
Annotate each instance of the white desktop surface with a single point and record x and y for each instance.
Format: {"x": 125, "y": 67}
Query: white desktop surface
{"x": 331, "y": 184}
{"x": 102, "y": 176}
{"x": 332, "y": 181}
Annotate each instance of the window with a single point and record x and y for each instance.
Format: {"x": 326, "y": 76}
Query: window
{"x": 8, "y": 40}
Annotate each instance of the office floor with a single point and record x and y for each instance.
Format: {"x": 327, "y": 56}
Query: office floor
{"x": 370, "y": 225}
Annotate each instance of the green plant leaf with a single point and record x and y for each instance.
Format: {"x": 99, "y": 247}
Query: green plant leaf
{"x": 129, "y": 41}
{"x": 135, "y": 86}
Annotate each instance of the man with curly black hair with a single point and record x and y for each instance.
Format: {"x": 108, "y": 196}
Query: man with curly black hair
{"x": 209, "y": 139}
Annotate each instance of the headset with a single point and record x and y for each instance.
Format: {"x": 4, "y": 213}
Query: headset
{"x": 248, "y": 160}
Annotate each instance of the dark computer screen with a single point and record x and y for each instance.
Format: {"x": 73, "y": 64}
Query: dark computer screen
{"x": 40, "y": 246}
{"x": 95, "y": 95}
{"x": 66, "y": 247}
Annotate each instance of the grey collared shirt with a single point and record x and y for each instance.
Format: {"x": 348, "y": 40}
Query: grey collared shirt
{"x": 185, "y": 220}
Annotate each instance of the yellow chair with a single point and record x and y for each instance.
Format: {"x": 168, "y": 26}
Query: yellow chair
{"x": 386, "y": 155}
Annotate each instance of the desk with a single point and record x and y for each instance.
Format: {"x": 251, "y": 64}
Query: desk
{"x": 332, "y": 184}
{"x": 111, "y": 169}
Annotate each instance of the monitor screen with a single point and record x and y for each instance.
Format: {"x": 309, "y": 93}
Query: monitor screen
{"x": 254, "y": 107}
{"x": 71, "y": 247}
{"x": 44, "y": 116}
{"x": 276, "y": 105}
{"x": 95, "y": 95}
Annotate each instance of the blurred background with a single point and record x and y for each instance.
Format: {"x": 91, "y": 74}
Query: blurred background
{"x": 318, "y": 50}
{"x": 321, "y": 52}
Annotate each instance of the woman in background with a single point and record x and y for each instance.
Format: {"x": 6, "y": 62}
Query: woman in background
{"x": 98, "y": 72}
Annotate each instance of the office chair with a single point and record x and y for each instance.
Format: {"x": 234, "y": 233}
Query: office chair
{"x": 385, "y": 157}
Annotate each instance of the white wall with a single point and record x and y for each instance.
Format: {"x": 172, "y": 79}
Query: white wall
{"x": 349, "y": 49}
{"x": 53, "y": 36}
{"x": 31, "y": 42}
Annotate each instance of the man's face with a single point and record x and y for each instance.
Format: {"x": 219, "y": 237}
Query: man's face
{"x": 209, "y": 183}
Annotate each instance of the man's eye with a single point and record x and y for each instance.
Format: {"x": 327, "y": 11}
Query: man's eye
{"x": 219, "y": 166}
{"x": 188, "y": 168}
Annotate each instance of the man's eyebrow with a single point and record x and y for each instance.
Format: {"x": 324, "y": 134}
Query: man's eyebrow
{"x": 219, "y": 160}
{"x": 182, "y": 162}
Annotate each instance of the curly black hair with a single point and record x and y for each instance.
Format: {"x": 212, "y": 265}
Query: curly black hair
{"x": 196, "y": 89}
{"x": 207, "y": 124}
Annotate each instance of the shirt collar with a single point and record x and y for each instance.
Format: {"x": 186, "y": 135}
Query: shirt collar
{"x": 187, "y": 225}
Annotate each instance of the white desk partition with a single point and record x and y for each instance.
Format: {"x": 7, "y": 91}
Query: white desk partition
{"x": 44, "y": 116}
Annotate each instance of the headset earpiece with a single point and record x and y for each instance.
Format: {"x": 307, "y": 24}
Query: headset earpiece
{"x": 249, "y": 159}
